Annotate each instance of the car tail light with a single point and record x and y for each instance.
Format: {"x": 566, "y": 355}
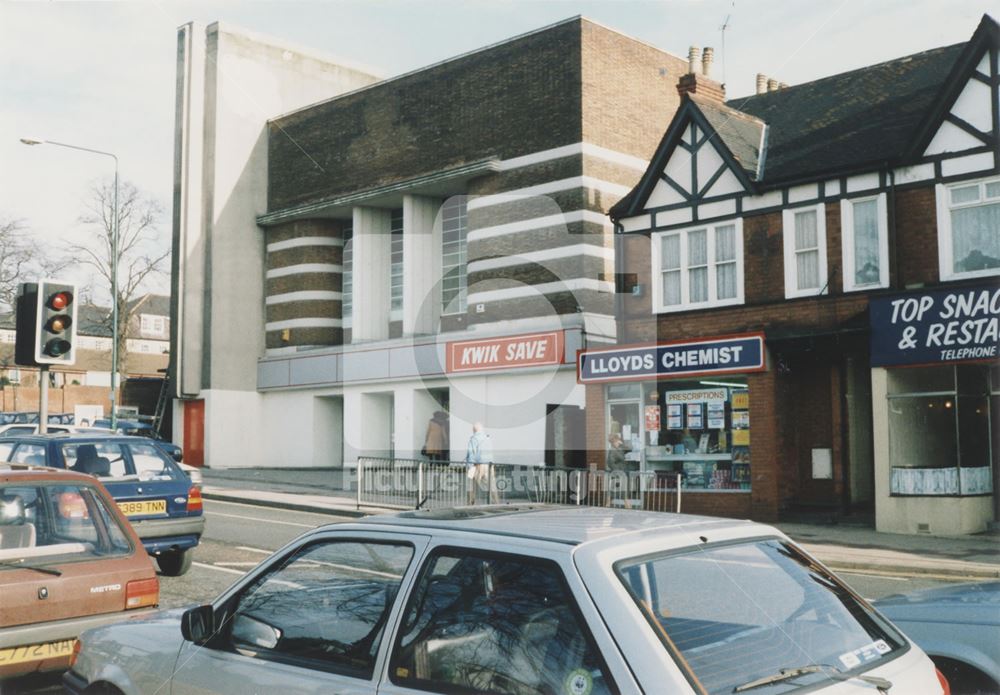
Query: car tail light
{"x": 141, "y": 593}
{"x": 194, "y": 499}
{"x": 943, "y": 681}
{"x": 76, "y": 653}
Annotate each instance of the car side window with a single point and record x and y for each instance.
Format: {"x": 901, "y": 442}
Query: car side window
{"x": 5, "y": 449}
{"x": 494, "y": 623}
{"x": 33, "y": 454}
{"x": 325, "y": 607}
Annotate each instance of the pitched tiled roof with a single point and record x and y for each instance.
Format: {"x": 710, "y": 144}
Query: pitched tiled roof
{"x": 849, "y": 121}
{"x": 741, "y": 133}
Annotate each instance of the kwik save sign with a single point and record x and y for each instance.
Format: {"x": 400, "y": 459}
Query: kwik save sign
{"x": 941, "y": 326}
{"x": 729, "y": 355}
{"x": 533, "y": 350}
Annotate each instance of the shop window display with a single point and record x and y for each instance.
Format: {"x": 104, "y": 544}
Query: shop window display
{"x": 940, "y": 430}
{"x": 698, "y": 431}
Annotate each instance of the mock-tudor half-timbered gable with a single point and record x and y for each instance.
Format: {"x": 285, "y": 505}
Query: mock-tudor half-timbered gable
{"x": 852, "y": 224}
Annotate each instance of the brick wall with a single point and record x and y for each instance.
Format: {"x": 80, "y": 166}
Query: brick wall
{"x": 916, "y": 242}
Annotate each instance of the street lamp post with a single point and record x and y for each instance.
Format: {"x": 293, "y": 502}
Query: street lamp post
{"x": 114, "y": 267}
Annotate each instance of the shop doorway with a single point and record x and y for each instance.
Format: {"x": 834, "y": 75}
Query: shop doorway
{"x": 328, "y": 432}
{"x": 194, "y": 432}
{"x": 565, "y": 436}
{"x": 624, "y": 415}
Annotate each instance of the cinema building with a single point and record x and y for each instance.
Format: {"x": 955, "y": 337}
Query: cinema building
{"x": 811, "y": 297}
{"x": 353, "y": 254}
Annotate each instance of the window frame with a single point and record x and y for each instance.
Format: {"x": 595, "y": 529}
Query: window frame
{"x": 460, "y": 268}
{"x": 710, "y": 228}
{"x": 347, "y": 274}
{"x": 946, "y": 261}
{"x": 789, "y": 251}
{"x": 847, "y": 242}
{"x": 396, "y": 271}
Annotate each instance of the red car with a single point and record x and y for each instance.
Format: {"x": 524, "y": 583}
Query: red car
{"x": 69, "y": 561}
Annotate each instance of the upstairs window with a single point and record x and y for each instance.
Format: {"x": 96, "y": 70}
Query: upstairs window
{"x": 804, "y": 241}
{"x": 865, "y": 243}
{"x": 454, "y": 232}
{"x": 347, "y": 275}
{"x": 698, "y": 268}
{"x": 396, "y": 265}
{"x": 969, "y": 229}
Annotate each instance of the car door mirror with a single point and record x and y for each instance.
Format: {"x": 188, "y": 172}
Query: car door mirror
{"x": 198, "y": 624}
{"x": 254, "y": 633}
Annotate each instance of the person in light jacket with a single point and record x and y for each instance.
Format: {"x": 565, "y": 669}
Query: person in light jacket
{"x": 479, "y": 459}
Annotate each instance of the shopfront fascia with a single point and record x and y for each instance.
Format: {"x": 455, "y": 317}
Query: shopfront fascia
{"x": 682, "y": 410}
{"x": 936, "y": 405}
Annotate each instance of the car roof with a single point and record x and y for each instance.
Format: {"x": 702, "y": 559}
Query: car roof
{"x": 74, "y": 437}
{"x": 17, "y": 473}
{"x": 561, "y": 524}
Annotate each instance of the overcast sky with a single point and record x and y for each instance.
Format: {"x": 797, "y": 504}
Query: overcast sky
{"x": 101, "y": 75}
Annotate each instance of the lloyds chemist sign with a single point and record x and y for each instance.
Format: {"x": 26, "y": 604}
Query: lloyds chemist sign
{"x": 724, "y": 355}
{"x": 961, "y": 324}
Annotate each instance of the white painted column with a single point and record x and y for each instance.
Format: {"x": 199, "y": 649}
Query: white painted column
{"x": 372, "y": 257}
{"x": 353, "y": 426}
{"x": 421, "y": 264}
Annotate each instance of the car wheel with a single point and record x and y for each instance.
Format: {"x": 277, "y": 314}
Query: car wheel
{"x": 965, "y": 679}
{"x": 176, "y": 562}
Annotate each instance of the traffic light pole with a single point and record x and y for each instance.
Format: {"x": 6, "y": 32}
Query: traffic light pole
{"x": 43, "y": 398}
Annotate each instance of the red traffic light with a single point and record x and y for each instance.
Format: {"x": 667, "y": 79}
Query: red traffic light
{"x": 60, "y": 300}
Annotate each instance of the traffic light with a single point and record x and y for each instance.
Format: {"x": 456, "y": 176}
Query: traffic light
{"x": 55, "y": 323}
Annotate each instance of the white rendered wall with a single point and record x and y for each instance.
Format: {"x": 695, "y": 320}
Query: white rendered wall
{"x": 371, "y": 256}
{"x": 421, "y": 264}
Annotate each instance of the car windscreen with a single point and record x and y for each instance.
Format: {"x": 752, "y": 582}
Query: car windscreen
{"x": 45, "y": 523}
{"x": 152, "y": 464}
{"x": 736, "y": 613}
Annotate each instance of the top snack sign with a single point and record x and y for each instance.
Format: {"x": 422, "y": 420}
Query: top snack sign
{"x": 956, "y": 325}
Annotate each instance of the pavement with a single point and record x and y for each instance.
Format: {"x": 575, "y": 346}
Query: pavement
{"x": 839, "y": 546}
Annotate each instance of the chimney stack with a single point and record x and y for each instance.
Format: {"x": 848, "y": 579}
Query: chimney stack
{"x": 693, "y": 53}
{"x": 761, "y": 83}
{"x": 772, "y": 84}
{"x": 698, "y": 81}
{"x": 706, "y": 61}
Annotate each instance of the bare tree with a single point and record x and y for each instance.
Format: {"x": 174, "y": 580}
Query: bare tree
{"x": 22, "y": 259}
{"x": 141, "y": 252}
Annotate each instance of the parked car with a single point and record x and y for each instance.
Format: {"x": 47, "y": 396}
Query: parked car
{"x": 519, "y": 600}
{"x": 959, "y": 628}
{"x": 140, "y": 429}
{"x": 69, "y": 561}
{"x": 160, "y": 501}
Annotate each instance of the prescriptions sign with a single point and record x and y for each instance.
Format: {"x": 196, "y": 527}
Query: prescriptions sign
{"x": 733, "y": 354}
{"x": 941, "y": 326}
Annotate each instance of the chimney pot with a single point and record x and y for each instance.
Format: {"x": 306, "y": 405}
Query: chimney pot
{"x": 761, "y": 83}
{"x": 772, "y": 85}
{"x": 782, "y": 85}
{"x": 706, "y": 61}
{"x": 693, "y": 53}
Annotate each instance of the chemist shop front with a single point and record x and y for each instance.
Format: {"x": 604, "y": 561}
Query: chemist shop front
{"x": 935, "y": 358}
{"x": 692, "y": 412}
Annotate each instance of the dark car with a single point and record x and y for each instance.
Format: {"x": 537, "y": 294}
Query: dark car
{"x": 68, "y": 562}
{"x": 159, "y": 499}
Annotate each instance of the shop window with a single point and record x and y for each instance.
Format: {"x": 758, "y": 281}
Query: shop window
{"x": 347, "y": 275}
{"x": 804, "y": 241}
{"x": 454, "y": 231}
{"x": 940, "y": 430}
{"x": 396, "y": 265}
{"x": 865, "y": 242}
{"x": 698, "y": 268}
{"x": 968, "y": 216}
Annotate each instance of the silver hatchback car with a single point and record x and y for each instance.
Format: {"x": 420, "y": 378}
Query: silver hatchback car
{"x": 519, "y": 601}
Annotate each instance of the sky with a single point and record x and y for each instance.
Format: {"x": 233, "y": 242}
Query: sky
{"x": 102, "y": 75}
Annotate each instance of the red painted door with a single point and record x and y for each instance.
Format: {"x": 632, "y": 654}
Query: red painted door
{"x": 194, "y": 432}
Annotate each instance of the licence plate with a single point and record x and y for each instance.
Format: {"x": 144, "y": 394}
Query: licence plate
{"x": 36, "y": 652}
{"x": 143, "y": 508}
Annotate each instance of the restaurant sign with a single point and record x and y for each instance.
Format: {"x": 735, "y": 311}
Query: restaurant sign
{"x": 961, "y": 324}
{"x": 729, "y": 355}
{"x": 532, "y": 350}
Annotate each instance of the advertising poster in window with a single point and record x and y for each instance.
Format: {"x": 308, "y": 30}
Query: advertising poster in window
{"x": 741, "y": 419}
{"x": 652, "y": 418}
{"x": 741, "y": 437}
{"x": 716, "y": 416}
{"x": 695, "y": 416}
{"x": 741, "y": 400}
{"x": 675, "y": 417}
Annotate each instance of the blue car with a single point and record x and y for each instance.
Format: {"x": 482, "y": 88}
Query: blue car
{"x": 158, "y": 498}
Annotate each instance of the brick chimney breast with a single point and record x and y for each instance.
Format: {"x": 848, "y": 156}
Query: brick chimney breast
{"x": 702, "y": 86}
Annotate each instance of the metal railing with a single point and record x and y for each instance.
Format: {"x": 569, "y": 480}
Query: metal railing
{"x": 421, "y": 484}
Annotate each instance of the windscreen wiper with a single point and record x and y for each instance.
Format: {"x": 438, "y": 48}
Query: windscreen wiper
{"x": 20, "y": 564}
{"x": 831, "y": 672}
